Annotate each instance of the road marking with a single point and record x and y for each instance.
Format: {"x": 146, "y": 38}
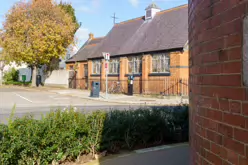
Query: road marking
{"x": 23, "y": 98}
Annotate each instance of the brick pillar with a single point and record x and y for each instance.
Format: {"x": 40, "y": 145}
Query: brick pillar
{"x": 89, "y": 73}
{"x": 122, "y": 73}
{"x": 184, "y": 63}
{"x": 103, "y": 76}
{"x": 218, "y": 98}
{"x": 146, "y": 69}
{"x": 123, "y": 66}
{"x": 174, "y": 62}
{"x": 80, "y": 72}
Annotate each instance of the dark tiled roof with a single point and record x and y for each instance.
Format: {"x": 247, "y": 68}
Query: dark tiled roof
{"x": 86, "y": 50}
{"x": 167, "y": 30}
{"x": 95, "y": 41}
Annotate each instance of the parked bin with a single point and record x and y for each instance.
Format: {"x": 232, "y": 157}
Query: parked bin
{"x": 130, "y": 85}
{"x": 38, "y": 80}
{"x": 95, "y": 90}
{"x": 24, "y": 77}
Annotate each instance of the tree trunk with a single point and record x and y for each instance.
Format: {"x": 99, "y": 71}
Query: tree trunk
{"x": 34, "y": 73}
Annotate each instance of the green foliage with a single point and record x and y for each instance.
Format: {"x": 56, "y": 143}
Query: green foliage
{"x": 71, "y": 11}
{"x": 144, "y": 127}
{"x": 64, "y": 135}
{"x": 18, "y": 83}
{"x": 11, "y": 76}
{"x": 35, "y": 33}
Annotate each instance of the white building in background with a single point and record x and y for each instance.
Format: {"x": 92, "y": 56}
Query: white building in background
{"x": 23, "y": 70}
{"x": 56, "y": 78}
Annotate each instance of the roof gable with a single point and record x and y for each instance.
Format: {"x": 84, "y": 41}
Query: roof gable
{"x": 86, "y": 50}
{"x": 167, "y": 30}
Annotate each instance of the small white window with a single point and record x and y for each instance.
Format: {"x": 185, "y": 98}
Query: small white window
{"x": 96, "y": 67}
{"x": 160, "y": 63}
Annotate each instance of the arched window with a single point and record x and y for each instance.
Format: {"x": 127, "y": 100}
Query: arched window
{"x": 161, "y": 63}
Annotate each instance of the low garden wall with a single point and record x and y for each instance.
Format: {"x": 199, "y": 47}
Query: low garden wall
{"x": 58, "y": 78}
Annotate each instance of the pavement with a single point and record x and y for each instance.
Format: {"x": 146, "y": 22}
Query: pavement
{"x": 123, "y": 99}
{"x": 163, "y": 155}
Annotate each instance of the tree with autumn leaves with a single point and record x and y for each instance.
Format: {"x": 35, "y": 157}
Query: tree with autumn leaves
{"x": 37, "y": 32}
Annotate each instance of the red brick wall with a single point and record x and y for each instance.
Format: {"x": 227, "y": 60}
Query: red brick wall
{"x": 218, "y": 99}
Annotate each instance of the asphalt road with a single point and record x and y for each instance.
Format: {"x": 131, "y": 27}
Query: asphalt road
{"x": 37, "y": 103}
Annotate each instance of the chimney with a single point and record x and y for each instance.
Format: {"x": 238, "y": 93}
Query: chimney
{"x": 151, "y": 11}
{"x": 91, "y": 36}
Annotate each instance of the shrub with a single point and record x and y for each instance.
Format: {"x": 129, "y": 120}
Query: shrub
{"x": 11, "y": 76}
{"x": 64, "y": 135}
{"x": 17, "y": 83}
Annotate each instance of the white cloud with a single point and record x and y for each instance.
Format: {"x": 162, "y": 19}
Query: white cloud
{"x": 81, "y": 35}
{"x": 134, "y": 3}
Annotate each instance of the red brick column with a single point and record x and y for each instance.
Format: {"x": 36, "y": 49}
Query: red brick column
{"x": 123, "y": 68}
{"x": 218, "y": 98}
{"x": 145, "y": 72}
{"x": 123, "y": 71}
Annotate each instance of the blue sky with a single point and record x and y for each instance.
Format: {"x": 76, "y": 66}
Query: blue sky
{"x": 95, "y": 15}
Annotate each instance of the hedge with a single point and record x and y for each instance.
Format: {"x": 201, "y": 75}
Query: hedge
{"x": 12, "y": 75}
{"x": 18, "y": 83}
{"x": 64, "y": 135}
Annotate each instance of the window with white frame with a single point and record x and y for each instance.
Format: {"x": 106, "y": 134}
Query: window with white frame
{"x": 114, "y": 66}
{"x": 96, "y": 67}
{"x": 160, "y": 63}
{"x": 135, "y": 64}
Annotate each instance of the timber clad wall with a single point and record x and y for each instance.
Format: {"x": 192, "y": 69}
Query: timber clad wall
{"x": 218, "y": 98}
{"x": 145, "y": 82}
